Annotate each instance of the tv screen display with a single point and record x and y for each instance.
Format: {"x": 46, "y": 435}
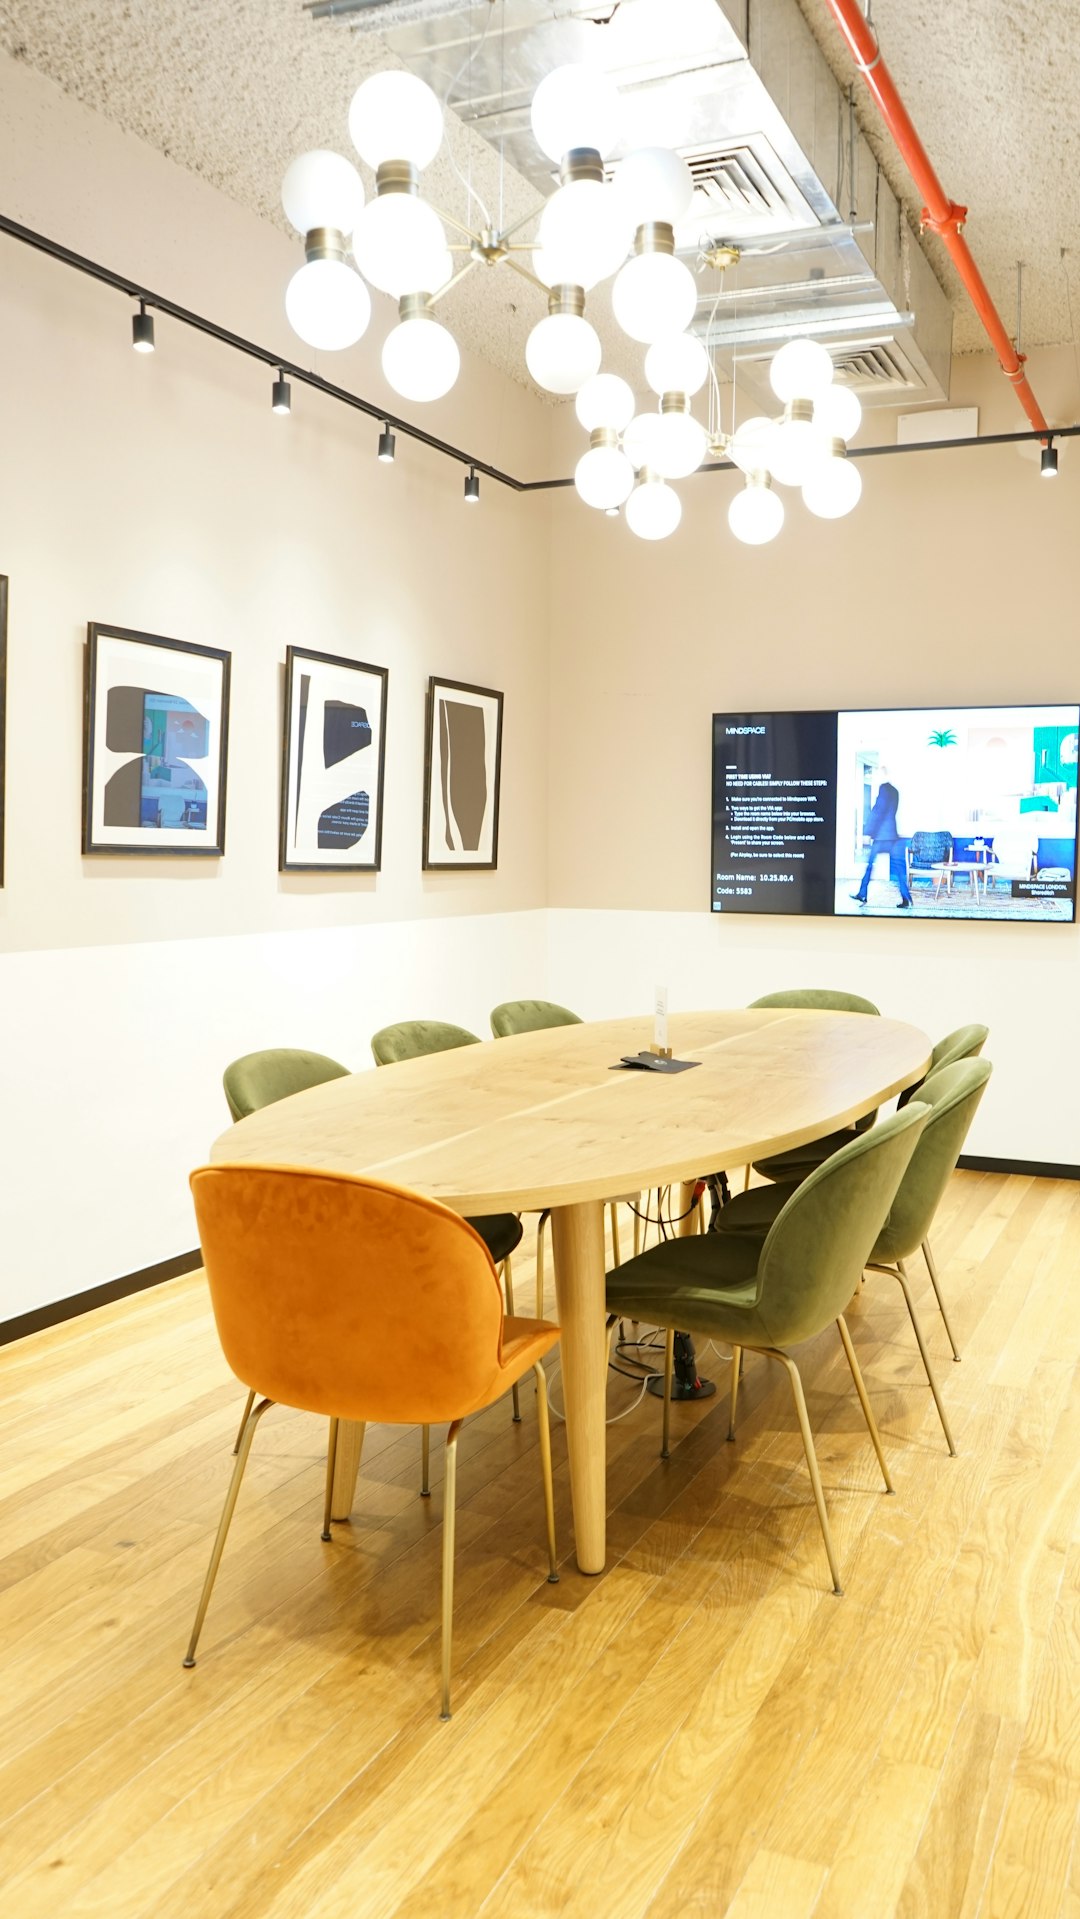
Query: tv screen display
{"x": 932, "y": 812}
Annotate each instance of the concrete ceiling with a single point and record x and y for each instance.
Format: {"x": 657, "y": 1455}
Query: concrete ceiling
{"x": 233, "y": 89}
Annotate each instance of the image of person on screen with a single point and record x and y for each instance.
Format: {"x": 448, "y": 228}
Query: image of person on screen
{"x": 884, "y": 837}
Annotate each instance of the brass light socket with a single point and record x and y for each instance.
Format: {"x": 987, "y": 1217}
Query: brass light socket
{"x": 567, "y": 299}
{"x": 397, "y": 176}
{"x": 675, "y": 403}
{"x": 415, "y": 306}
{"x": 325, "y": 243}
{"x": 581, "y": 163}
{"x": 603, "y": 436}
{"x": 799, "y": 412}
{"x": 655, "y": 236}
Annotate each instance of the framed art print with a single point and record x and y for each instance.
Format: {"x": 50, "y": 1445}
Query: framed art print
{"x": 461, "y": 775}
{"x": 332, "y": 764}
{"x": 154, "y": 746}
{"x": 3, "y": 710}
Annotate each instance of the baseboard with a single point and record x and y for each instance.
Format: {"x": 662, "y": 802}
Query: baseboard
{"x": 1033, "y": 1168}
{"x": 60, "y": 1309}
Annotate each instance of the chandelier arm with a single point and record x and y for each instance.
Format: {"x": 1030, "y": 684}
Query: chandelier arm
{"x": 458, "y": 225}
{"x": 525, "y": 273}
{"x": 453, "y": 281}
{"x": 533, "y": 214}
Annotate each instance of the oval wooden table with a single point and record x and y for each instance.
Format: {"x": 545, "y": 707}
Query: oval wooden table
{"x": 540, "y": 1120}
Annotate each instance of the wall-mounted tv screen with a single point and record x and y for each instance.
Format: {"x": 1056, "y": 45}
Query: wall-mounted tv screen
{"x": 940, "y": 812}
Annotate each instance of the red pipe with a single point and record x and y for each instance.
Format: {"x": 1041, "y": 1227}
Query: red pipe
{"x": 939, "y": 213}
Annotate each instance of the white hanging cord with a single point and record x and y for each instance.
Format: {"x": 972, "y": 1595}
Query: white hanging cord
{"x": 465, "y": 65}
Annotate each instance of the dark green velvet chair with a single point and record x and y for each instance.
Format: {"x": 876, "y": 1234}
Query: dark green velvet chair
{"x": 951, "y": 1096}
{"x": 540, "y": 1016}
{"x": 966, "y": 1042}
{"x": 416, "y": 1039}
{"x": 260, "y": 1079}
{"x": 801, "y": 1160}
{"x": 771, "y": 1295}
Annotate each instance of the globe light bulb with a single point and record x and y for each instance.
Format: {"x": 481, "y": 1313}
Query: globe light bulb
{"x": 604, "y": 477}
{"x": 562, "y": 352}
{"x": 653, "y": 510}
{"x": 679, "y": 445}
{"x": 751, "y": 444}
{"x": 582, "y": 237}
{"x": 396, "y": 116}
{"x": 420, "y": 357}
{"x": 756, "y": 515}
{"x": 605, "y": 401}
{"x": 838, "y": 413}
{"x": 399, "y": 245}
{"x": 322, "y": 189}
{"x": 640, "y": 437}
{"x": 800, "y": 371}
{"x": 833, "y": 487}
{"x": 654, "y": 295}
{"x": 796, "y": 446}
{"x": 328, "y": 305}
{"x": 575, "y": 107}
{"x": 677, "y": 364}
{"x": 653, "y": 183}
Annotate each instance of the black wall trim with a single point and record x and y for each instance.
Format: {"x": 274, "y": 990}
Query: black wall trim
{"x": 1033, "y": 1168}
{"x": 79, "y": 1303}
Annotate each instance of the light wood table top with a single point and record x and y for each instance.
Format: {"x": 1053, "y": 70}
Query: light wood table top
{"x": 541, "y": 1120}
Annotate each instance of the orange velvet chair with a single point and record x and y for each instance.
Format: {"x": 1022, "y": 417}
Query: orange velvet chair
{"x": 395, "y": 1272}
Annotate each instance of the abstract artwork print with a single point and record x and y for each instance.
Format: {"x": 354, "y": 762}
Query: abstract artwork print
{"x": 462, "y": 769}
{"x": 155, "y": 744}
{"x": 332, "y": 763}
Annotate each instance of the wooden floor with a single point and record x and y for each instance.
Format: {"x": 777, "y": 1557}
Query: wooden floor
{"x": 705, "y": 1730}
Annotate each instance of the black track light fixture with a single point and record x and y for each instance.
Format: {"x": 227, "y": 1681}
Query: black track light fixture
{"x": 1048, "y": 463}
{"x": 387, "y": 446}
{"x": 142, "y": 330}
{"x": 281, "y": 396}
{"x": 472, "y": 487}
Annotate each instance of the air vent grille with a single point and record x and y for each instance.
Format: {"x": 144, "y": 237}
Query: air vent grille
{"x": 875, "y": 365}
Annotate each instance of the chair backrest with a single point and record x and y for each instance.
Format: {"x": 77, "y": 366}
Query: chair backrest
{"x": 818, "y": 999}
{"x": 529, "y": 1016}
{"x": 820, "y": 1242}
{"x": 951, "y": 1096}
{"x": 413, "y": 1038}
{"x": 348, "y": 1296}
{"x": 930, "y": 849}
{"x": 258, "y": 1079}
{"x": 966, "y": 1043}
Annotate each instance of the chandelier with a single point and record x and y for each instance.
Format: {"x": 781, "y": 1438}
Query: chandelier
{"x": 592, "y": 228}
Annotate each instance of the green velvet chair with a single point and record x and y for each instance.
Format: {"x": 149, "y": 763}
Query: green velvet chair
{"x": 260, "y": 1079}
{"x": 951, "y": 1097}
{"x": 540, "y": 1016}
{"x": 771, "y": 1295}
{"x": 966, "y": 1042}
{"x": 801, "y": 1160}
{"x": 500, "y": 1232}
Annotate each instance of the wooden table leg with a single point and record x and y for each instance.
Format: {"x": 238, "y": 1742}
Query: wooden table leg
{"x": 577, "y": 1234}
{"x": 346, "y": 1467}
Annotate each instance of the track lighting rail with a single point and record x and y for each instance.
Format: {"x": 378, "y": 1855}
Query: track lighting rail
{"x": 288, "y": 369}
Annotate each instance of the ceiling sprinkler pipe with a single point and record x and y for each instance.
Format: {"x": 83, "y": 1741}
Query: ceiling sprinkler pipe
{"x": 940, "y": 213}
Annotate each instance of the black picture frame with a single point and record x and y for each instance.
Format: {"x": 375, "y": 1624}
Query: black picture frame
{"x": 3, "y": 717}
{"x": 290, "y": 786}
{"x": 143, "y": 845}
{"x": 437, "y": 813}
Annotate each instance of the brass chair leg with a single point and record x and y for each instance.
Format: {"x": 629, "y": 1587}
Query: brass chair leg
{"x": 243, "y": 1422}
{"x": 614, "y": 1211}
{"x": 736, "y": 1355}
{"x": 669, "y": 1365}
{"x": 331, "y": 1462}
{"x": 746, "y": 1181}
{"x": 545, "y": 1467}
{"x": 811, "y": 1461}
{"x": 932, "y": 1270}
{"x": 246, "y": 1438}
{"x": 425, "y": 1460}
{"x": 871, "y": 1423}
{"x": 449, "y": 1515}
{"x": 508, "y": 1285}
{"x": 540, "y": 1231}
{"x": 637, "y": 1227}
{"x": 900, "y": 1273}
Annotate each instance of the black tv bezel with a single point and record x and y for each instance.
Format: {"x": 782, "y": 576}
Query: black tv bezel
{"x": 861, "y": 919}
